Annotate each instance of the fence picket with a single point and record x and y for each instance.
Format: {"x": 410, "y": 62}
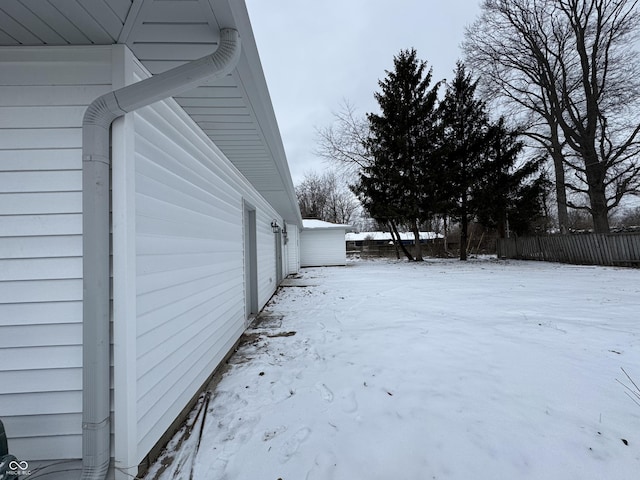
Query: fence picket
{"x": 634, "y": 248}
{"x": 607, "y": 249}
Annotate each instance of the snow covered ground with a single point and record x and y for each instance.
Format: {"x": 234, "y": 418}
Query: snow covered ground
{"x": 441, "y": 370}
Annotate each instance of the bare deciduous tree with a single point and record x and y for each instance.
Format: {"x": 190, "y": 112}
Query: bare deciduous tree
{"x": 567, "y": 66}
{"x": 343, "y": 142}
{"x": 629, "y": 217}
{"x": 324, "y": 197}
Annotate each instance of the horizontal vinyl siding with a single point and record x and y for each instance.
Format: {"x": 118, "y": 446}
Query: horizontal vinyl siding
{"x": 322, "y": 248}
{"x": 189, "y": 263}
{"x": 43, "y": 95}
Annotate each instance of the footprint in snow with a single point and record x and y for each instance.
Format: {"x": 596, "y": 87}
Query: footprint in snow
{"x": 274, "y": 432}
{"x": 237, "y": 428}
{"x": 290, "y": 447}
{"x": 325, "y": 392}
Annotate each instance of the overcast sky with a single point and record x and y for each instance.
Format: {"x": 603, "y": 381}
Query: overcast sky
{"x": 317, "y": 53}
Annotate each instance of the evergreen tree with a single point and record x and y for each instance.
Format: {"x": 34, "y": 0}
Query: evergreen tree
{"x": 401, "y": 146}
{"x": 465, "y": 132}
{"x": 509, "y": 195}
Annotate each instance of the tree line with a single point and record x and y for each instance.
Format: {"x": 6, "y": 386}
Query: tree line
{"x": 445, "y": 157}
{"x": 325, "y": 197}
{"x": 563, "y": 76}
{"x": 423, "y": 156}
{"x": 567, "y": 72}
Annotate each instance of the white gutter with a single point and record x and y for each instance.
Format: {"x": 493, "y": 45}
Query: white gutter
{"x": 95, "y": 229}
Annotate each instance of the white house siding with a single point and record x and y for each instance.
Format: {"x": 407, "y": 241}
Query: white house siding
{"x": 189, "y": 306}
{"x": 320, "y": 247}
{"x": 43, "y": 95}
{"x": 178, "y": 254}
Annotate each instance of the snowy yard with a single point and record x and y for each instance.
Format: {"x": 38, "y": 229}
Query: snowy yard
{"x": 443, "y": 370}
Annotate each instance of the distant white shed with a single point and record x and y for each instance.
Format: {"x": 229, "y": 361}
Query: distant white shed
{"x": 323, "y": 243}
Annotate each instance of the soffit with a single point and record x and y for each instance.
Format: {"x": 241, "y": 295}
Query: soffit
{"x": 236, "y": 112}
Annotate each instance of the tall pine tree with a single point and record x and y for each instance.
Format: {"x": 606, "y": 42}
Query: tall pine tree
{"x": 401, "y": 143}
{"x": 464, "y": 138}
{"x": 482, "y": 175}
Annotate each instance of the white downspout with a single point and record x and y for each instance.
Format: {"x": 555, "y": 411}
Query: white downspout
{"x": 95, "y": 229}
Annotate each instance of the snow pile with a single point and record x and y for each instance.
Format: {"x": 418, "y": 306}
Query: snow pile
{"x": 442, "y": 370}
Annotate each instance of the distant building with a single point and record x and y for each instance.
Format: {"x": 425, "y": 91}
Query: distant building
{"x": 384, "y": 238}
{"x": 322, "y": 243}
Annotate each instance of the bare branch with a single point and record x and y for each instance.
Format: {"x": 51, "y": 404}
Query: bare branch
{"x": 343, "y": 142}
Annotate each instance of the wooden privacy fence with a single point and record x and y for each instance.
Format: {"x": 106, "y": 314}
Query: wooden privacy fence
{"x": 584, "y": 249}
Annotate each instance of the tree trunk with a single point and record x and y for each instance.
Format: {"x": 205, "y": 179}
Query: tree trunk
{"x": 446, "y": 246}
{"x": 463, "y": 238}
{"x": 418, "y": 245}
{"x": 464, "y": 224}
{"x": 394, "y": 230}
{"x": 595, "y": 173}
{"x": 561, "y": 192}
{"x": 395, "y": 242}
{"x": 599, "y": 211}
{"x": 501, "y": 227}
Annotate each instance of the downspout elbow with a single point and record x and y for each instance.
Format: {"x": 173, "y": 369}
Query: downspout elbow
{"x": 185, "y": 77}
